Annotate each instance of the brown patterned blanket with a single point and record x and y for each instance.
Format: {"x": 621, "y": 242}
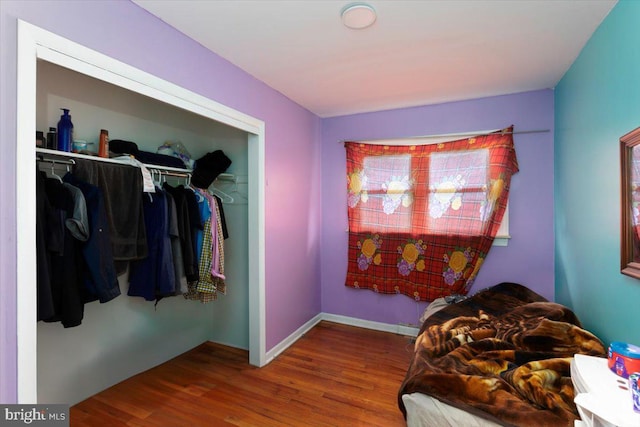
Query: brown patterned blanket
{"x": 503, "y": 354}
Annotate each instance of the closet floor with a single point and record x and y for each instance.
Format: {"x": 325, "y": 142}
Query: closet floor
{"x": 335, "y": 375}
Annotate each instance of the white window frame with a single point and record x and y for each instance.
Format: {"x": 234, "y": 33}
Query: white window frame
{"x": 503, "y": 236}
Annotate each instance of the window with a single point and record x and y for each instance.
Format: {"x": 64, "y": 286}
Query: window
{"x": 459, "y": 181}
{"x": 423, "y": 217}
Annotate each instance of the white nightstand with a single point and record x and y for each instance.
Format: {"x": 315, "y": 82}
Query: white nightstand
{"x": 603, "y": 398}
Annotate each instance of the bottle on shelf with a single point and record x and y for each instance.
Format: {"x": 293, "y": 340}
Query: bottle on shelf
{"x": 65, "y": 131}
{"x": 40, "y": 141}
{"x": 52, "y": 139}
{"x": 103, "y": 150}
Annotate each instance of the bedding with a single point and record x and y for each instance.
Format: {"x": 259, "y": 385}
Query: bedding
{"x": 503, "y": 355}
{"x": 423, "y": 410}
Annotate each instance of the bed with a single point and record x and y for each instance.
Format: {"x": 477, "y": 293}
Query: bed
{"x": 499, "y": 357}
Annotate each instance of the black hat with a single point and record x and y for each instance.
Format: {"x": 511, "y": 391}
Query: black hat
{"x": 208, "y": 167}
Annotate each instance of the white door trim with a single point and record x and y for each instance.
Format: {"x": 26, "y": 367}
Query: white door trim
{"x": 35, "y": 44}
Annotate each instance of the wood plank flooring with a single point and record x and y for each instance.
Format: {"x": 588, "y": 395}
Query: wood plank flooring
{"x": 335, "y": 375}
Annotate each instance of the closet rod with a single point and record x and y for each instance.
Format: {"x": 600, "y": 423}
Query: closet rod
{"x": 167, "y": 168}
{"x": 164, "y": 169}
{"x": 185, "y": 174}
{"x": 445, "y": 135}
{"x": 122, "y": 161}
{"x": 56, "y": 161}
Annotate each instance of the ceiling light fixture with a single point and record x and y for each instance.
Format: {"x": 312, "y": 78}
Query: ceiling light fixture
{"x": 358, "y": 16}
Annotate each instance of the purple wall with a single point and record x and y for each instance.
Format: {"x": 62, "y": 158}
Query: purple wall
{"x": 305, "y": 206}
{"x": 529, "y": 257}
{"x": 124, "y": 31}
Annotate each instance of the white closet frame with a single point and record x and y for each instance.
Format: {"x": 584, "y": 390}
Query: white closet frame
{"x": 35, "y": 44}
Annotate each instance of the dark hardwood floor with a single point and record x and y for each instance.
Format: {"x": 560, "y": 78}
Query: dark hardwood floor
{"x": 335, "y": 375}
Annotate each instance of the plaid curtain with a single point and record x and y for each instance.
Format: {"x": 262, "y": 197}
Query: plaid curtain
{"x": 422, "y": 218}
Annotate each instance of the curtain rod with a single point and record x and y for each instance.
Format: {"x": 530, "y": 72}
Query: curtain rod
{"x": 445, "y": 135}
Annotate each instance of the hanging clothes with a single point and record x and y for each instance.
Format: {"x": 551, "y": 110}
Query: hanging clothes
{"x": 98, "y": 216}
{"x": 205, "y": 213}
{"x": 176, "y": 248}
{"x": 100, "y": 281}
{"x": 195, "y": 221}
{"x": 185, "y": 216}
{"x": 154, "y": 276}
{"x": 122, "y": 189}
{"x": 216, "y": 238}
{"x": 46, "y": 308}
{"x": 219, "y": 276}
{"x": 211, "y": 262}
{"x": 64, "y": 255}
{"x": 203, "y": 289}
{"x": 223, "y": 221}
{"x": 78, "y": 224}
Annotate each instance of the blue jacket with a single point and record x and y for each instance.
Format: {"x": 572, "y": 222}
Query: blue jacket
{"x": 100, "y": 279}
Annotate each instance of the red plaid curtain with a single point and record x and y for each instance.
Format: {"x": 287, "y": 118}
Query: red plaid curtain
{"x": 422, "y": 218}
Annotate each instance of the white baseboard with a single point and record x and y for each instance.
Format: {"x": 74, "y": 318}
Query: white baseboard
{"x": 336, "y": 318}
{"x": 369, "y": 324}
{"x": 295, "y": 336}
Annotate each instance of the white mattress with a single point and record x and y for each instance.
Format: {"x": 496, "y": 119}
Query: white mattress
{"x": 426, "y": 411}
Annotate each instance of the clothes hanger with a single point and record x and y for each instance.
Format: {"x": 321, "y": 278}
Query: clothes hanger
{"x": 192, "y": 188}
{"x": 53, "y": 172}
{"x": 235, "y": 190}
{"x": 226, "y": 198}
{"x": 155, "y": 177}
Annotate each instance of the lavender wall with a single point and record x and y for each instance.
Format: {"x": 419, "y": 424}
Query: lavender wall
{"x": 529, "y": 257}
{"x": 299, "y": 195}
{"x": 126, "y": 32}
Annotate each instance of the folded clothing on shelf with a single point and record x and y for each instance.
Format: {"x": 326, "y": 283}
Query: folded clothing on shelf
{"x": 123, "y": 147}
{"x": 128, "y": 147}
{"x": 149, "y": 158}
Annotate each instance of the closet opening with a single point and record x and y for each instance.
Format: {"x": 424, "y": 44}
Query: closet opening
{"x": 128, "y": 335}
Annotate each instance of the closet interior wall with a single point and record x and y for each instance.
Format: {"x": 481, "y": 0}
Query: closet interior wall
{"x": 128, "y": 335}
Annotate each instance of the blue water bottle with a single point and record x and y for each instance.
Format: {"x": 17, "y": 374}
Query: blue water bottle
{"x": 65, "y": 132}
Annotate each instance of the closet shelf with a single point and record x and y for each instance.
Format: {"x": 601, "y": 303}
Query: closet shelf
{"x": 40, "y": 152}
{"x": 70, "y": 155}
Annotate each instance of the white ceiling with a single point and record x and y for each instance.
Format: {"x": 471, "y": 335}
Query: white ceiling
{"x": 416, "y": 53}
